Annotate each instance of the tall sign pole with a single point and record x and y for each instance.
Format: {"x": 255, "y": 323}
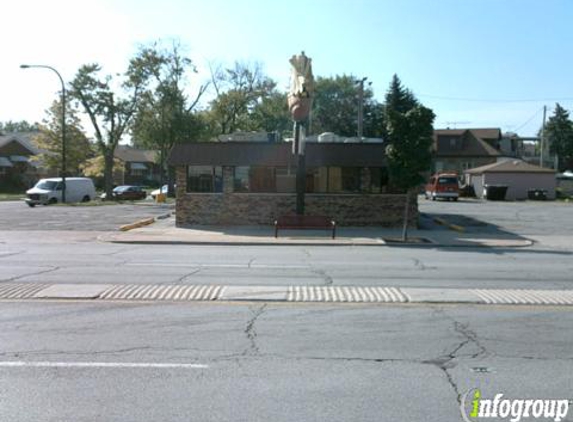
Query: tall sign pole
{"x": 299, "y": 103}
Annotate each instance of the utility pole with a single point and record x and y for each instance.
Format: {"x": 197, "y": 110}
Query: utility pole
{"x": 542, "y": 142}
{"x": 360, "y": 129}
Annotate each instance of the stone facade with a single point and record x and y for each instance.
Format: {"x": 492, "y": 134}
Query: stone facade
{"x": 229, "y": 208}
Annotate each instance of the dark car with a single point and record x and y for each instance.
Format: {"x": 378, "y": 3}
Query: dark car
{"x": 127, "y": 192}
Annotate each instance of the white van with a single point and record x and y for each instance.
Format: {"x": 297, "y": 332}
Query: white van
{"x": 49, "y": 191}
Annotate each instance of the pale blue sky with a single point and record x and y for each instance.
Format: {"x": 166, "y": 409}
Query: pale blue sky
{"x": 491, "y": 50}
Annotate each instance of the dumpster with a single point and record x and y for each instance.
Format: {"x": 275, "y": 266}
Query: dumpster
{"x": 495, "y": 192}
{"x": 537, "y": 194}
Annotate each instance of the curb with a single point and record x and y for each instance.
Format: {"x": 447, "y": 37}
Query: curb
{"x": 144, "y": 222}
{"x": 137, "y": 224}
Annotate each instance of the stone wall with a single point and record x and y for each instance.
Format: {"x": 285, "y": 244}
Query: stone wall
{"x": 263, "y": 208}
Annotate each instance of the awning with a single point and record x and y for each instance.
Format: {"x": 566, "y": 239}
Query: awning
{"x": 18, "y": 159}
{"x": 4, "y": 162}
{"x": 138, "y": 166}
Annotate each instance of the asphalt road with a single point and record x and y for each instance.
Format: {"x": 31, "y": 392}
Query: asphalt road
{"x": 263, "y": 362}
{"x": 136, "y": 361}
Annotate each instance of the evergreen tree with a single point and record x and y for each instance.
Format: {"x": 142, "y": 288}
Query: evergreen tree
{"x": 409, "y": 128}
{"x": 559, "y": 133}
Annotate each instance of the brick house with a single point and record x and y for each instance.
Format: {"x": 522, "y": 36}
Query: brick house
{"x": 253, "y": 183}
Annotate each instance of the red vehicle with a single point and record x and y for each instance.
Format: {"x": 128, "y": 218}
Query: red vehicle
{"x": 443, "y": 186}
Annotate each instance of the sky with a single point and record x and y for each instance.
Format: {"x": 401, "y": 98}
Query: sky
{"x": 476, "y": 63}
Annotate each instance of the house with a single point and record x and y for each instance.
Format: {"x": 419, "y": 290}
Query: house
{"x": 16, "y": 168}
{"x": 253, "y": 183}
{"x": 520, "y": 177}
{"x": 139, "y": 166}
{"x": 456, "y": 150}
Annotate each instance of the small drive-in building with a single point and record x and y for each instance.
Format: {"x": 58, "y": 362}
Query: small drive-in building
{"x": 519, "y": 177}
{"x": 254, "y": 183}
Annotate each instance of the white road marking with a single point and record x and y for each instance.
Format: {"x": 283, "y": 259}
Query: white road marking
{"x": 22, "y": 364}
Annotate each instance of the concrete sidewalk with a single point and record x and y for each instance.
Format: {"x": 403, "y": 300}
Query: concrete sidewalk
{"x": 163, "y": 231}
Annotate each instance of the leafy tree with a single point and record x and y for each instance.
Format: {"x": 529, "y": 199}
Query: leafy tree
{"x": 165, "y": 115}
{"x": 49, "y": 140}
{"x": 272, "y": 114}
{"x": 559, "y": 133}
{"x": 239, "y": 92}
{"x": 335, "y": 107}
{"x": 409, "y": 128}
{"x": 21, "y": 126}
{"x": 111, "y": 110}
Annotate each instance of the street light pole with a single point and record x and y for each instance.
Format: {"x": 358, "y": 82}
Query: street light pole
{"x": 360, "y": 128}
{"x": 40, "y": 66}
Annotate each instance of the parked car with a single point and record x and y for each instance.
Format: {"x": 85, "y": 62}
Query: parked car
{"x": 443, "y": 186}
{"x": 127, "y": 192}
{"x": 49, "y": 191}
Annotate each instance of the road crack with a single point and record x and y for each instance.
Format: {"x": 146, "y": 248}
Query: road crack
{"x": 18, "y": 277}
{"x": 328, "y": 281}
{"x": 251, "y": 332}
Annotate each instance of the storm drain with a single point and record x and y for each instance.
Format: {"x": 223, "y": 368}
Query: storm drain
{"x": 21, "y": 290}
{"x": 345, "y": 294}
{"x": 525, "y": 297}
{"x": 163, "y": 292}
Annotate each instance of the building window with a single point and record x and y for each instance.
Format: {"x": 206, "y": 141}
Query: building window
{"x": 204, "y": 179}
{"x": 344, "y": 179}
{"x": 317, "y": 180}
{"x": 285, "y": 179}
{"x": 378, "y": 180}
{"x": 256, "y": 179}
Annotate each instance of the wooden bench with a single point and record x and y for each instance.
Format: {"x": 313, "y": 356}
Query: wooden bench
{"x": 309, "y": 222}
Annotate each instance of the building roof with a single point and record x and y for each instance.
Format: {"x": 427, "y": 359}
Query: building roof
{"x": 483, "y": 133}
{"x": 127, "y": 153}
{"x": 509, "y": 166}
{"x": 473, "y": 143}
{"x": 277, "y": 154}
{"x": 22, "y": 138}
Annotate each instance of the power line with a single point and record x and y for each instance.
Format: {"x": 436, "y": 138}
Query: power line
{"x": 483, "y": 100}
{"x": 528, "y": 120}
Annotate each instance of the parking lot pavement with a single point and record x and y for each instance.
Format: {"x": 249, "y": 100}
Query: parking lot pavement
{"x": 17, "y": 216}
{"x": 524, "y": 218}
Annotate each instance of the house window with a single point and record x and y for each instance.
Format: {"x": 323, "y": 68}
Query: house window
{"x": 138, "y": 169}
{"x": 204, "y": 179}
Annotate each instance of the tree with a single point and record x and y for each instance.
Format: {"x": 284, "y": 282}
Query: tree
{"x": 409, "y": 128}
{"x": 239, "y": 92}
{"x": 335, "y": 107}
{"x": 271, "y": 113}
{"x": 110, "y": 112}
{"x": 21, "y": 126}
{"x": 165, "y": 116}
{"x": 559, "y": 133}
{"x": 49, "y": 140}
